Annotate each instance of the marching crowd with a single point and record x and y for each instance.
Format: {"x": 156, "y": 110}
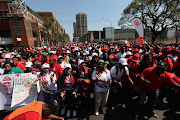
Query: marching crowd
{"x": 113, "y": 73}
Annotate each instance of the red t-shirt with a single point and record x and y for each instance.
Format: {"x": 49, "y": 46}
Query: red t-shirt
{"x": 56, "y": 68}
{"x": 156, "y": 81}
{"x": 26, "y": 116}
{"x": 22, "y": 66}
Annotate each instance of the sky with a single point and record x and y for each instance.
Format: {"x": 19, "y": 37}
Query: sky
{"x": 65, "y": 12}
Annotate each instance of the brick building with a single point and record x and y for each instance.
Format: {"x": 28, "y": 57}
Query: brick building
{"x": 48, "y": 15}
{"x": 19, "y": 24}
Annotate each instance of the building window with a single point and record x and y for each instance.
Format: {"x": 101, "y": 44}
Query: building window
{"x": 17, "y": 25}
{"x": 28, "y": 27}
{"x": 1, "y": 13}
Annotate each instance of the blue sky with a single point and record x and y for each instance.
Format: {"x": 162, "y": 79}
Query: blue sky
{"x": 65, "y": 11}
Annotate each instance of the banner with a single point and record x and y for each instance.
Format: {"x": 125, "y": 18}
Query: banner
{"x": 24, "y": 95}
{"x": 6, "y": 88}
{"x": 137, "y": 23}
{"x": 138, "y": 41}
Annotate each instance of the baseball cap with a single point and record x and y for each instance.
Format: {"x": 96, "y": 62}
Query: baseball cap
{"x": 45, "y": 65}
{"x": 60, "y": 56}
{"x": 54, "y": 106}
{"x": 28, "y": 64}
{"x": 86, "y": 53}
{"x": 94, "y": 54}
{"x": 52, "y": 52}
{"x": 128, "y": 53}
{"x": 80, "y": 62}
{"x": 101, "y": 62}
{"x": 67, "y": 66}
{"x": 123, "y": 61}
{"x": 7, "y": 56}
{"x": 15, "y": 59}
{"x": 162, "y": 65}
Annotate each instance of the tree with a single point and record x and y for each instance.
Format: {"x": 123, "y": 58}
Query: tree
{"x": 52, "y": 34}
{"x": 156, "y": 15}
{"x": 47, "y": 29}
{"x": 64, "y": 38}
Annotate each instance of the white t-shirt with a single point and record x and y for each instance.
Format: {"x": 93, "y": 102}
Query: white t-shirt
{"x": 68, "y": 84}
{"x": 120, "y": 55}
{"x": 46, "y": 84}
{"x": 103, "y": 84}
{"x": 1, "y": 71}
{"x": 120, "y": 73}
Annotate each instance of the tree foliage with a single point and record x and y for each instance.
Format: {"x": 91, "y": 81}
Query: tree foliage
{"x": 52, "y": 34}
{"x": 156, "y": 15}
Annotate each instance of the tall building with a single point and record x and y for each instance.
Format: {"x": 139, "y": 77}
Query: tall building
{"x": 80, "y": 26}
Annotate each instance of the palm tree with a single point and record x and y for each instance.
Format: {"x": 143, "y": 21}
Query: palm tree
{"x": 47, "y": 29}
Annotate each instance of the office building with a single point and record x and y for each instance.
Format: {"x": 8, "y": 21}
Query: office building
{"x": 80, "y": 27}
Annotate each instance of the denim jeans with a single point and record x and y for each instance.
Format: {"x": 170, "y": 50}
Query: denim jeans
{"x": 48, "y": 96}
{"x": 152, "y": 99}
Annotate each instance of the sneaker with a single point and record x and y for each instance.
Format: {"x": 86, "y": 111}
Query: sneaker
{"x": 68, "y": 113}
{"x": 96, "y": 113}
{"x": 136, "y": 116}
{"x": 104, "y": 111}
{"x": 74, "y": 113}
{"x": 152, "y": 114}
{"x": 63, "y": 111}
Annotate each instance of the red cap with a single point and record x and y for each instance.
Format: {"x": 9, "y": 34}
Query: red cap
{"x": 136, "y": 50}
{"x": 153, "y": 55}
{"x": 53, "y": 58}
{"x": 15, "y": 59}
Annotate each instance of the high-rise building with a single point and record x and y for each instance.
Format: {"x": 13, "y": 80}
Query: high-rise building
{"x": 80, "y": 27}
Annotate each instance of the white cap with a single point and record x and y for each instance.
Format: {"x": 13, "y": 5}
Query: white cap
{"x": 68, "y": 52}
{"x": 45, "y": 46}
{"x": 45, "y": 65}
{"x": 52, "y": 52}
{"x": 123, "y": 61}
{"x": 94, "y": 54}
{"x": 86, "y": 53}
{"x": 80, "y": 62}
{"x": 0, "y": 51}
{"x": 128, "y": 53}
{"x": 60, "y": 56}
{"x": 7, "y": 56}
{"x": 18, "y": 55}
{"x": 28, "y": 64}
{"x": 67, "y": 66}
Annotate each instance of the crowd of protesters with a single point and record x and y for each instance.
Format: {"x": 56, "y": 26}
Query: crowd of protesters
{"x": 113, "y": 73}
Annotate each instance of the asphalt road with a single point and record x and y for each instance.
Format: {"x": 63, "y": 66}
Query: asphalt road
{"x": 169, "y": 110}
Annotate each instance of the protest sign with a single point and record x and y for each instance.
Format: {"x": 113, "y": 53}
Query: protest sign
{"x": 24, "y": 95}
{"x": 6, "y": 87}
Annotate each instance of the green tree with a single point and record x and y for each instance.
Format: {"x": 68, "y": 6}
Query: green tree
{"x": 64, "y": 38}
{"x": 156, "y": 15}
{"x": 47, "y": 29}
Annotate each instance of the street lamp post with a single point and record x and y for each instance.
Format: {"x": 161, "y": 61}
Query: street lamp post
{"x": 111, "y": 27}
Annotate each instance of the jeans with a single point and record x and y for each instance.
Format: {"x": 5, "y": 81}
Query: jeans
{"x": 48, "y": 96}
{"x": 152, "y": 99}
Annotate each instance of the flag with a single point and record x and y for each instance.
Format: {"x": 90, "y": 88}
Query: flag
{"x": 137, "y": 23}
{"x": 138, "y": 41}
